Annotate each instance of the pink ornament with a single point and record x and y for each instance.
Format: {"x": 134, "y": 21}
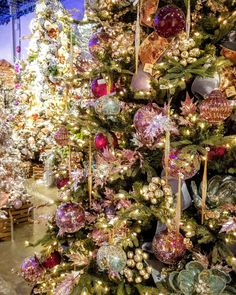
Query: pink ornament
{"x": 101, "y": 141}
{"x": 169, "y": 21}
{"x": 168, "y": 247}
{"x": 99, "y": 88}
{"x": 17, "y": 204}
{"x": 31, "y": 270}
{"x": 142, "y": 119}
{"x": 62, "y": 136}
{"x": 185, "y": 161}
{"x": 70, "y": 218}
{"x": 18, "y": 49}
{"x": 140, "y": 81}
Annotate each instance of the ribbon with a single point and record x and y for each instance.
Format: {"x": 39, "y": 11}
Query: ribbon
{"x": 167, "y": 145}
{"x": 178, "y": 204}
{"x": 188, "y": 19}
{"x": 137, "y": 37}
{"x": 204, "y": 185}
{"x": 90, "y": 175}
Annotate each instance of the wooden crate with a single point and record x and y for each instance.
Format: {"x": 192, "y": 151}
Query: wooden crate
{"x": 5, "y": 229}
{"x": 38, "y": 171}
{"x": 21, "y": 215}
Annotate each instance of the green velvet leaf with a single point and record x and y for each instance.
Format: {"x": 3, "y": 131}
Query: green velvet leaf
{"x": 186, "y": 282}
{"x": 194, "y": 267}
{"x": 173, "y": 280}
{"x": 222, "y": 274}
{"x": 216, "y": 284}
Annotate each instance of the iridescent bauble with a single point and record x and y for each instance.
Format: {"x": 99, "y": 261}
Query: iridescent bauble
{"x": 101, "y": 141}
{"x": 216, "y": 108}
{"x": 169, "y": 21}
{"x": 62, "y": 136}
{"x": 141, "y": 81}
{"x": 185, "y": 161}
{"x": 31, "y": 270}
{"x": 97, "y": 43}
{"x": 99, "y": 88}
{"x": 108, "y": 106}
{"x": 142, "y": 119}
{"x": 52, "y": 260}
{"x": 168, "y": 247}
{"x": 112, "y": 258}
{"x": 70, "y": 217}
{"x": 204, "y": 86}
{"x": 17, "y": 204}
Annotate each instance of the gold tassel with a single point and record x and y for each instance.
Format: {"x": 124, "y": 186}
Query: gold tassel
{"x": 178, "y": 204}
{"x": 71, "y": 53}
{"x": 204, "y": 185}
{"x": 90, "y": 175}
{"x": 188, "y": 19}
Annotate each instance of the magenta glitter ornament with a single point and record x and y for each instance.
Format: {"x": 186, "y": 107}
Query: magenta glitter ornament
{"x": 168, "y": 247}
{"x": 185, "y": 161}
{"x": 101, "y": 141}
{"x": 169, "y": 21}
{"x": 99, "y": 88}
{"x": 31, "y": 270}
{"x": 62, "y": 136}
{"x": 70, "y": 217}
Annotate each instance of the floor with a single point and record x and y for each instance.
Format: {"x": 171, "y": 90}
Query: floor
{"x": 12, "y": 253}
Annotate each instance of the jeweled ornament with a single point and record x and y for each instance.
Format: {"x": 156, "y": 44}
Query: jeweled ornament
{"x": 216, "y": 108}
{"x": 61, "y": 136}
{"x": 101, "y": 141}
{"x": 52, "y": 260}
{"x": 169, "y": 247}
{"x": 100, "y": 87}
{"x": 108, "y": 106}
{"x": 169, "y": 21}
{"x": 70, "y": 217}
{"x": 112, "y": 258}
{"x": 32, "y": 270}
{"x": 141, "y": 81}
{"x": 185, "y": 161}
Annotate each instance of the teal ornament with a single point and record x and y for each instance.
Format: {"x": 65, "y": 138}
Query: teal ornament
{"x": 108, "y": 106}
{"x": 112, "y": 258}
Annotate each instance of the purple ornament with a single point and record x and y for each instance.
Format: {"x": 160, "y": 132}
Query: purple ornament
{"x": 169, "y": 21}
{"x": 70, "y": 218}
{"x": 140, "y": 81}
{"x": 17, "y": 204}
{"x": 31, "y": 270}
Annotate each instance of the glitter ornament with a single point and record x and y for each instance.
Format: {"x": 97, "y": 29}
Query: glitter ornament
{"x": 141, "y": 81}
{"x": 101, "y": 141}
{"x": 52, "y": 260}
{"x": 111, "y": 258}
{"x": 216, "y": 108}
{"x": 168, "y": 247}
{"x": 61, "y": 136}
{"x": 108, "y": 106}
{"x": 31, "y": 270}
{"x": 169, "y": 21}
{"x": 70, "y": 217}
{"x": 184, "y": 161}
{"x": 61, "y": 182}
{"x": 97, "y": 43}
{"x": 99, "y": 88}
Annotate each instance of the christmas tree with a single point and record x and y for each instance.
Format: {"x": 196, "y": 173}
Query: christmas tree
{"x": 43, "y": 90}
{"x": 147, "y": 204}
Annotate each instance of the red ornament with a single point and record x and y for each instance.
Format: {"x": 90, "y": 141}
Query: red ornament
{"x": 61, "y": 136}
{"x": 99, "y": 88}
{"x": 52, "y": 260}
{"x": 101, "y": 141}
{"x": 216, "y": 152}
{"x": 168, "y": 247}
{"x": 61, "y": 182}
{"x": 169, "y": 21}
{"x": 115, "y": 142}
{"x": 216, "y": 108}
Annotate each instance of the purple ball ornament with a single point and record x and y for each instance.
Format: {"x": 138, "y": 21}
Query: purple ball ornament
{"x": 32, "y": 270}
{"x": 17, "y": 204}
{"x": 141, "y": 81}
{"x": 70, "y": 217}
{"x": 169, "y": 21}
